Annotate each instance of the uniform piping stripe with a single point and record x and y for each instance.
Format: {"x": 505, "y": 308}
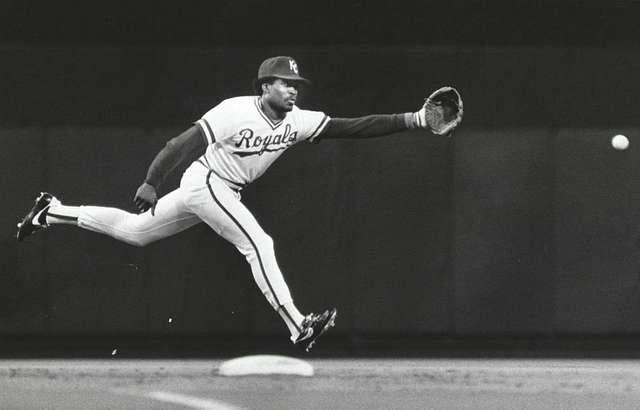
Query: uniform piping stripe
{"x": 63, "y": 217}
{"x": 264, "y": 273}
{"x": 238, "y": 184}
{"x": 286, "y": 312}
{"x": 207, "y": 138}
{"x": 320, "y": 126}
{"x": 213, "y": 136}
{"x": 206, "y": 130}
{"x": 267, "y": 119}
{"x": 207, "y": 161}
{"x": 208, "y": 166}
{"x": 203, "y": 164}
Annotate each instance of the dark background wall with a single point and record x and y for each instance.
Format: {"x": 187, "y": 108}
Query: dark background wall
{"x": 522, "y": 227}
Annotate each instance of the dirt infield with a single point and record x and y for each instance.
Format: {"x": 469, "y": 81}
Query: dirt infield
{"x": 337, "y": 384}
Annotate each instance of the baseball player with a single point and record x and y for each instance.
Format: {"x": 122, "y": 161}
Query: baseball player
{"x": 230, "y": 147}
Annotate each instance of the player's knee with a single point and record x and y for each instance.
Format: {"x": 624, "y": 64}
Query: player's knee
{"x": 138, "y": 241}
{"x": 135, "y": 231}
{"x": 264, "y": 242}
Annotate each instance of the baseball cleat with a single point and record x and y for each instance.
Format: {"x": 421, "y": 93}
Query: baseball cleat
{"x": 313, "y": 326}
{"x": 27, "y": 226}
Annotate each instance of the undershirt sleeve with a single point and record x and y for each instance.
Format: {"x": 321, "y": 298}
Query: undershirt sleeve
{"x": 365, "y": 127}
{"x": 185, "y": 147}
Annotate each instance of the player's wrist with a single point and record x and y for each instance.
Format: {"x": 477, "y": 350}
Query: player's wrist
{"x": 415, "y": 119}
{"x": 152, "y": 184}
{"x": 410, "y": 120}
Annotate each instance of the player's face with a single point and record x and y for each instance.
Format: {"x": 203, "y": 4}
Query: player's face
{"x": 281, "y": 94}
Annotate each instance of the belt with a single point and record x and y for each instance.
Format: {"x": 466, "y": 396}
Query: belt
{"x": 238, "y": 186}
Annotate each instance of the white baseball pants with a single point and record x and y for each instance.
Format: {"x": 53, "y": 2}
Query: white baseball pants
{"x": 202, "y": 196}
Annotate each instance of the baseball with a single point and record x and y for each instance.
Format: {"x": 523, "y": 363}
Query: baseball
{"x": 620, "y": 142}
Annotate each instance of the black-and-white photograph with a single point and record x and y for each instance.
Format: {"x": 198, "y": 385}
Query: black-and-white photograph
{"x": 320, "y": 205}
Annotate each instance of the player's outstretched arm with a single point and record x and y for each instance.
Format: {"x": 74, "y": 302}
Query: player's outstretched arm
{"x": 368, "y": 127}
{"x": 441, "y": 113}
{"x": 185, "y": 147}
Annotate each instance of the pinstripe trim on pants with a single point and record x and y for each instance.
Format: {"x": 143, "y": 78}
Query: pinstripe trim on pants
{"x": 253, "y": 244}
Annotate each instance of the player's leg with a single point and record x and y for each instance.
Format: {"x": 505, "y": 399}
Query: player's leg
{"x": 220, "y": 207}
{"x": 170, "y": 217}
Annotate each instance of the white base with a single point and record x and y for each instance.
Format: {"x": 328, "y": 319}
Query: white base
{"x": 265, "y": 364}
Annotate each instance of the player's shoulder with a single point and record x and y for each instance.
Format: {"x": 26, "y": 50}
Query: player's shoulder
{"x": 303, "y": 112}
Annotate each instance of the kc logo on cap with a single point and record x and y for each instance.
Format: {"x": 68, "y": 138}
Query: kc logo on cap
{"x": 280, "y": 67}
{"x": 293, "y": 66}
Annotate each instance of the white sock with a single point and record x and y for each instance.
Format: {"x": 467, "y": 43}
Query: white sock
{"x": 62, "y": 214}
{"x": 292, "y": 318}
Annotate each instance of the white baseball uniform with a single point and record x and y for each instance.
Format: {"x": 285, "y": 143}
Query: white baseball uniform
{"x": 242, "y": 143}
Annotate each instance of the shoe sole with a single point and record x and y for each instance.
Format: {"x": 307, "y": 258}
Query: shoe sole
{"x": 330, "y": 323}
{"x": 28, "y": 218}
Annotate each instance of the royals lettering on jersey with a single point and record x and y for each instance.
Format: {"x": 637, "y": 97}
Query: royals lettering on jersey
{"x": 252, "y": 144}
{"x": 244, "y": 142}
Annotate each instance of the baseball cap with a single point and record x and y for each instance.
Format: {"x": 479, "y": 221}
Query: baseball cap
{"x": 280, "y": 67}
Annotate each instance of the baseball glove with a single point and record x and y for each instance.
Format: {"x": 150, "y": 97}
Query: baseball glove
{"x": 442, "y": 111}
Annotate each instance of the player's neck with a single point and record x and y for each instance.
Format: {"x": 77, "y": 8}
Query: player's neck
{"x": 273, "y": 114}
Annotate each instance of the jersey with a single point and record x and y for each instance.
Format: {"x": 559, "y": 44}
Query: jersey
{"x": 243, "y": 141}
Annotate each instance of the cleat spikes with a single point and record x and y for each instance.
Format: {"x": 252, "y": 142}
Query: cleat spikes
{"x": 26, "y": 227}
{"x": 313, "y": 326}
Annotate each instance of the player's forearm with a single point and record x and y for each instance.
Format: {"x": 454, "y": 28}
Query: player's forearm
{"x": 369, "y": 126}
{"x": 185, "y": 147}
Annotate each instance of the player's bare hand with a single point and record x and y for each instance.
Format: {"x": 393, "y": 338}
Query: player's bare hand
{"x": 146, "y": 198}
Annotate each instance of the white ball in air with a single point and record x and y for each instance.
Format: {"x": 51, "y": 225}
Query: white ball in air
{"x": 620, "y": 142}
